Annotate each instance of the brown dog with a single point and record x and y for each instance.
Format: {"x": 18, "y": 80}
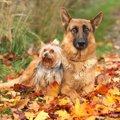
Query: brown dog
{"x": 79, "y": 47}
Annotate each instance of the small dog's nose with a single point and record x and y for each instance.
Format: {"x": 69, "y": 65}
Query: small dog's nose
{"x": 46, "y": 54}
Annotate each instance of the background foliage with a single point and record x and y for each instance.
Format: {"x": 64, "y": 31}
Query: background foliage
{"x": 24, "y": 23}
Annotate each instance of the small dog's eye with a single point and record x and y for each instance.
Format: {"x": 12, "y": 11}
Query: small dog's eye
{"x": 51, "y": 51}
{"x": 45, "y": 50}
{"x": 74, "y": 30}
{"x": 85, "y": 29}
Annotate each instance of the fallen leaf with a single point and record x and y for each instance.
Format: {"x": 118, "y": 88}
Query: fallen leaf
{"x": 22, "y": 88}
{"x": 79, "y": 110}
{"x": 22, "y": 103}
{"x": 5, "y": 117}
{"x": 108, "y": 100}
{"x": 63, "y": 114}
{"x": 53, "y": 89}
{"x": 10, "y": 77}
{"x": 30, "y": 115}
{"x": 64, "y": 101}
{"x": 95, "y": 118}
{"x": 21, "y": 114}
{"x": 34, "y": 106}
{"x": 114, "y": 91}
{"x": 42, "y": 116}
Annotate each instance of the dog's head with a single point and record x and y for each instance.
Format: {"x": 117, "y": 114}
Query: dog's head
{"x": 78, "y": 35}
{"x": 50, "y": 55}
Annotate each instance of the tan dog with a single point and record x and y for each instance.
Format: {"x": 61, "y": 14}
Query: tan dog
{"x": 79, "y": 47}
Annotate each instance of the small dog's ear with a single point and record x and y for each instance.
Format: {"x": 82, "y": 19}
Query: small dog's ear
{"x": 96, "y": 21}
{"x": 65, "y": 17}
{"x": 42, "y": 44}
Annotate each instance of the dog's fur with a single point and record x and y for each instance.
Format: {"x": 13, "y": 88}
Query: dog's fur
{"x": 50, "y": 67}
{"x": 79, "y": 47}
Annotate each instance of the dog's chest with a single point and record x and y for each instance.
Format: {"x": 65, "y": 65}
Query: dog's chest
{"x": 47, "y": 75}
{"x": 82, "y": 69}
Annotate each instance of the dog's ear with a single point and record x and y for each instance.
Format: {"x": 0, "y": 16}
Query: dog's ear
{"x": 42, "y": 44}
{"x": 65, "y": 17}
{"x": 96, "y": 21}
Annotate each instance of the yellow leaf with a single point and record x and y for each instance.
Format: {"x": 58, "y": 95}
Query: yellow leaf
{"x": 63, "y": 114}
{"x": 91, "y": 118}
{"x": 29, "y": 115}
{"x": 42, "y": 116}
{"x": 103, "y": 108}
{"x": 94, "y": 118}
{"x": 108, "y": 101}
{"x": 80, "y": 109}
{"x": 96, "y": 99}
{"x": 17, "y": 99}
{"x": 114, "y": 91}
{"x": 64, "y": 101}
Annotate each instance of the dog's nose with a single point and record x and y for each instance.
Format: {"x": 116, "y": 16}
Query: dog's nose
{"x": 46, "y": 54}
{"x": 80, "y": 44}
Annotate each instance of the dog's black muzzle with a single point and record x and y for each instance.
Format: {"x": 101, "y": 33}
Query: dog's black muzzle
{"x": 80, "y": 43}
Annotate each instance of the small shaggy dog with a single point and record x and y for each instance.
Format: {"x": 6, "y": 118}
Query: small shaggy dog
{"x": 50, "y": 67}
{"x": 42, "y": 71}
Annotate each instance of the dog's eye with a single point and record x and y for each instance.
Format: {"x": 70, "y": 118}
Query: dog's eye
{"x": 74, "y": 30}
{"x": 45, "y": 50}
{"x": 85, "y": 29}
{"x": 51, "y": 51}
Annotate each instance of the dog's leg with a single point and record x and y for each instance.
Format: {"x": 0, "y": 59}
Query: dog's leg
{"x": 24, "y": 78}
{"x": 66, "y": 90}
{"x": 87, "y": 89}
{"x": 9, "y": 84}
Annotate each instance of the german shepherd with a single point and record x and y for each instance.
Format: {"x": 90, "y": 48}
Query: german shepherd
{"x": 79, "y": 47}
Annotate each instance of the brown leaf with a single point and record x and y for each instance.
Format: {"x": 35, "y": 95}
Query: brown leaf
{"x": 21, "y": 104}
{"x": 22, "y": 88}
{"x": 21, "y": 114}
{"x": 34, "y": 106}
{"x": 9, "y": 56}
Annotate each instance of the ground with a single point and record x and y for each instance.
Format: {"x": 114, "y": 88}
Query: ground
{"x": 21, "y": 103}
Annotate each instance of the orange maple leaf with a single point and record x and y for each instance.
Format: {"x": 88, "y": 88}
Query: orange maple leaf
{"x": 53, "y": 89}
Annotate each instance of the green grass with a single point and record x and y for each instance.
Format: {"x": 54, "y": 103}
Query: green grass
{"x": 18, "y": 65}
{"x": 23, "y": 38}
{"x": 4, "y": 71}
{"x": 6, "y": 111}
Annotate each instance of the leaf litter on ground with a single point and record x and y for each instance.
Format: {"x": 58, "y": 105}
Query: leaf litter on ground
{"x": 23, "y": 103}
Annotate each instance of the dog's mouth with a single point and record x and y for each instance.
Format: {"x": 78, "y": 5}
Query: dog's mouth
{"x": 47, "y": 62}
